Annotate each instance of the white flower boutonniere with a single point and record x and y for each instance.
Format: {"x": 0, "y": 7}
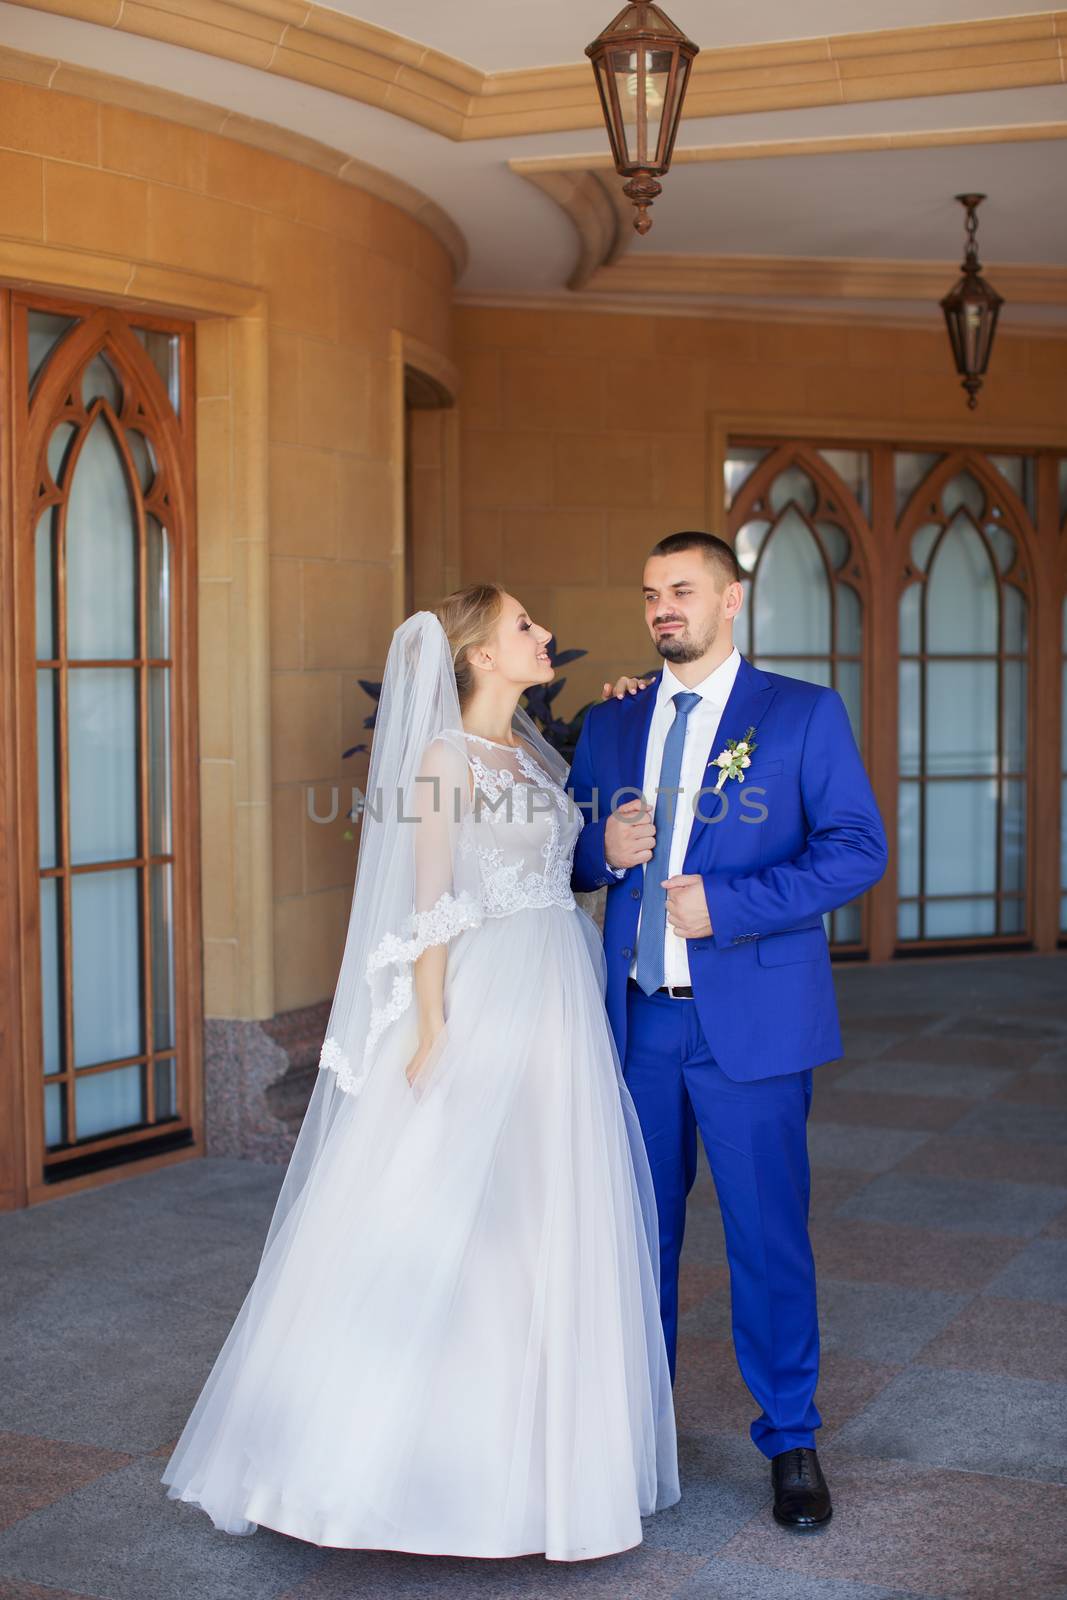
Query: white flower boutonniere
{"x": 737, "y": 755}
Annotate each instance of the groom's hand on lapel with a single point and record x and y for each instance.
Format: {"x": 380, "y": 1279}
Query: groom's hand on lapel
{"x": 687, "y": 906}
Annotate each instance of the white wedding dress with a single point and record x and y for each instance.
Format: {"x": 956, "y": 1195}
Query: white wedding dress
{"x": 454, "y": 1345}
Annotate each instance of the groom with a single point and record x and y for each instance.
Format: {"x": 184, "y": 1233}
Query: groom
{"x": 719, "y": 988}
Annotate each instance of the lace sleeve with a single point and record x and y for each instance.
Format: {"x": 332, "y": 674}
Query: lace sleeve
{"x": 446, "y": 899}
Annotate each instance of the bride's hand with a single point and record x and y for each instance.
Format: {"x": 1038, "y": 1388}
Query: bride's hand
{"x": 624, "y": 686}
{"x": 427, "y": 1043}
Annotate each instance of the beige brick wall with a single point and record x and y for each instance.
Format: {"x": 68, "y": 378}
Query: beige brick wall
{"x": 585, "y": 439}
{"x": 342, "y": 273}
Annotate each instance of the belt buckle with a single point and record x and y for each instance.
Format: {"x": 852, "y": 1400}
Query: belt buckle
{"x": 670, "y": 988}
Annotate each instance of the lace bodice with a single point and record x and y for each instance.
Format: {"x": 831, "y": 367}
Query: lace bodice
{"x": 513, "y": 846}
{"x": 521, "y": 828}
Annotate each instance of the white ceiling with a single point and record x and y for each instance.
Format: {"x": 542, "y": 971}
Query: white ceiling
{"x": 500, "y": 35}
{"x": 895, "y": 204}
{"x": 889, "y": 204}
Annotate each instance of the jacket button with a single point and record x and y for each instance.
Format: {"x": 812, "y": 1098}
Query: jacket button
{"x": 635, "y": 894}
{"x": 627, "y": 952}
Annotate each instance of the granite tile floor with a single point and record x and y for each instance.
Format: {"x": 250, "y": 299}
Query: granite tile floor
{"x": 939, "y": 1219}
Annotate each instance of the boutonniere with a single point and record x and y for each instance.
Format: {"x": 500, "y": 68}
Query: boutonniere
{"x": 736, "y": 755}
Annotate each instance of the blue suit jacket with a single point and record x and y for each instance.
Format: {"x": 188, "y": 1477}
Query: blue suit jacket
{"x": 801, "y": 836}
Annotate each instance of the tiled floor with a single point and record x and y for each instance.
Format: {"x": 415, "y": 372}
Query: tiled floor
{"x": 940, "y": 1225}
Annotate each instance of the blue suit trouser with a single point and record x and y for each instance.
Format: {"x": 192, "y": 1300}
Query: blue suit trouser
{"x": 755, "y": 1136}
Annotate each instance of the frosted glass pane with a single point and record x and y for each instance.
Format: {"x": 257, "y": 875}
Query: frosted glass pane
{"x": 909, "y": 718}
{"x": 159, "y": 768}
{"x": 1063, "y": 835}
{"x": 961, "y": 839}
{"x": 743, "y": 620}
{"x": 792, "y": 592}
{"x": 922, "y": 544}
{"x": 910, "y": 604}
{"x": 961, "y": 600}
{"x": 1019, "y": 472}
{"x": 158, "y": 549}
{"x": 908, "y": 839}
{"x": 1015, "y": 619}
{"x": 810, "y": 671}
{"x": 55, "y": 1116}
{"x": 144, "y": 459}
{"x": 1014, "y": 716}
{"x": 1012, "y": 916}
{"x": 964, "y": 491}
{"x": 739, "y": 467}
{"x": 162, "y": 957}
{"x": 51, "y": 979}
{"x": 849, "y": 686}
{"x": 961, "y": 717}
{"x": 163, "y": 349}
{"x": 107, "y": 966}
{"x": 848, "y": 923}
{"x": 101, "y": 553}
{"x": 910, "y": 468}
{"x": 166, "y": 1083}
{"x": 44, "y": 584}
{"x": 853, "y": 467}
{"x": 44, "y": 330}
{"x": 107, "y": 1101}
{"x": 1003, "y": 544}
{"x": 836, "y": 543}
{"x": 47, "y": 778}
{"x": 101, "y": 381}
{"x": 59, "y": 444}
{"x": 960, "y": 919}
{"x": 749, "y": 542}
{"x": 849, "y": 620}
{"x": 103, "y": 763}
{"x": 793, "y": 485}
{"x": 1013, "y": 829}
{"x": 908, "y": 922}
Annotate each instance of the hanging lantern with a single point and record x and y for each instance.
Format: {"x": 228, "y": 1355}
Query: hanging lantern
{"x": 641, "y": 63}
{"x": 971, "y": 310}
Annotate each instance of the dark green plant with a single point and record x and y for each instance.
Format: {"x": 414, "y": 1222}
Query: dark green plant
{"x": 539, "y": 700}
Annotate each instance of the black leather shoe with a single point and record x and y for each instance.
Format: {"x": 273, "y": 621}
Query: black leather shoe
{"x": 801, "y": 1495}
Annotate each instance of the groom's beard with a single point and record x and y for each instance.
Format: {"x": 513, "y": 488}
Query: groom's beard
{"x": 685, "y": 646}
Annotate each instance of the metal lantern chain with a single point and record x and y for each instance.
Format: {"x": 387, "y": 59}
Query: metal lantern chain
{"x": 641, "y": 63}
{"x": 971, "y": 310}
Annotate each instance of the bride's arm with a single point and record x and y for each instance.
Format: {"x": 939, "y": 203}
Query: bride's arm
{"x": 436, "y": 809}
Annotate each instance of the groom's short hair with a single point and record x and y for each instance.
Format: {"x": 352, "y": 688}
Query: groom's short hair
{"x": 717, "y": 553}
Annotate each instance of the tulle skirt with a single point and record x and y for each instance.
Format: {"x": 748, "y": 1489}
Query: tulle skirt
{"x": 453, "y": 1345}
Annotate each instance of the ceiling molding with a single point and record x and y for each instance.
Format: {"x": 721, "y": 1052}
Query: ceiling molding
{"x": 815, "y": 278}
{"x": 593, "y": 206}
{"x": 731, "y": 311}
{"x": 330, "y": 50}
{"x": 108, "y": 89}
{"x": 534, "y": 167}
{"x": 573, "y": 183}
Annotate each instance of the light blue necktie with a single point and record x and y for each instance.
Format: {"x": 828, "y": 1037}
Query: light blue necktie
{"x": 653, "y": 929}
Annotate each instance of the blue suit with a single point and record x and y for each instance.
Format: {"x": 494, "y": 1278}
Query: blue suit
{"x": 801, "y": 836}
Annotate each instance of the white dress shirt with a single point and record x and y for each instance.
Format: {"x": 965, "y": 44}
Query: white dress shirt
{"x": 700, "y": 733}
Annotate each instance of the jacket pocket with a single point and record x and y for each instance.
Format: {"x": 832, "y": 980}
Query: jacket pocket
{"x": 765, "y": 769}
{"x": 795, "y": 944}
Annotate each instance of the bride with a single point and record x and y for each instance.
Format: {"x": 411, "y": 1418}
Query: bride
{"x": 453, "y": 1343}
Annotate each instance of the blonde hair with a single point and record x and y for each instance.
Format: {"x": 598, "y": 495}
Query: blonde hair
{"x": 469, "y": 617}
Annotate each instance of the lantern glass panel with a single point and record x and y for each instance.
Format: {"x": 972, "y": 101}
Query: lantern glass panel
{"x": 641, "y": 84}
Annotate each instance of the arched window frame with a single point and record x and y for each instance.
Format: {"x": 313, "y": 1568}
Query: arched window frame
{"x": 1002, "y": 505}
{"x": 836, "y": 504}
{"x": 56, "y": 401}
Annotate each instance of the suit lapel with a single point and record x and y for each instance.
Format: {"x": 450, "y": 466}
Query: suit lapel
{"x": 748, "y": 701}
{"x": 634, "y": 742}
